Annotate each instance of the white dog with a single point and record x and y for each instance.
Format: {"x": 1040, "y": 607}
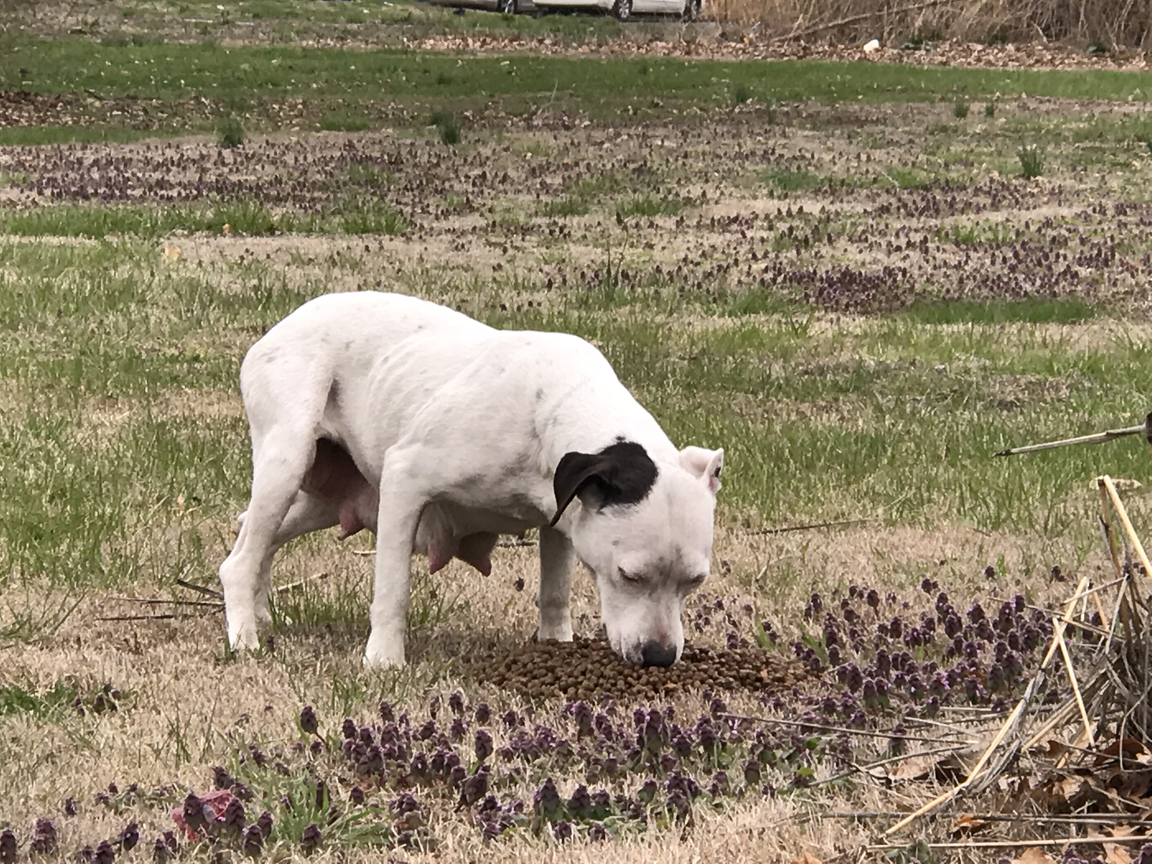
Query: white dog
{"x": 439, "y": 433}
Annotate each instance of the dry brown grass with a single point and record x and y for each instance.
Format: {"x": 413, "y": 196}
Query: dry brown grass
{"x": 1120, "y": 23}
{"x": 185, "y": 707}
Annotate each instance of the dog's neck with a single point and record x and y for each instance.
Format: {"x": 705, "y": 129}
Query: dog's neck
{"x": 591, "y": 419}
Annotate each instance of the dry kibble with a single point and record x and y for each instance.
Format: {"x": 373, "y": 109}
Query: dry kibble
{"x": 586, "y": 668}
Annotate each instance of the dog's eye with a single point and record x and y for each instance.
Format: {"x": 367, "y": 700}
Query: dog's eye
{"x": 629, "y": 577}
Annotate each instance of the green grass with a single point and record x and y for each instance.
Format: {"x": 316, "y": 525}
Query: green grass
{"x": 344, "y": 121}
{"x": 369, "y": 174}
{"x": 570, "y": 205}
{"x": 649, "y": 205}
{"x": 368, "y": 217}
{"x": 89, "y": 220}
{"x": 596, "y": 186}
{"x": 1031, "y": 160}
{"x": 741, "y": 93}
{"x": 355, "y": 216}
{"x": 900, "y": 413}
{"x": 229, "y": 132}
{"x": 16, "y": 700}
{"x": 906, "y": 178}
{"x": 984, "y": 233}
{"x": 23, "y": 136}
{"x": 788, "y": 180}
{"x": 168, "y": 71}
{"x": 447, "y": 127}
{"x": 1036, "y": 311}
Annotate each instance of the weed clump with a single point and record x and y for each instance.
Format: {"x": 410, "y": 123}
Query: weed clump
{"x": 229, "y": 132}
{"x": 1031, "y": 160}
{"x": 447, "y": 127}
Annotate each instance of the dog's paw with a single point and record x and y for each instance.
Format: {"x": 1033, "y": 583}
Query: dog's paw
{"x": 559, "y": 633}
{"x": 383, "y": 654}
{"x": 244, "y": 637}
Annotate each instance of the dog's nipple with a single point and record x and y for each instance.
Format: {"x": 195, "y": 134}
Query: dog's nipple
{"x": 349, "y": 522}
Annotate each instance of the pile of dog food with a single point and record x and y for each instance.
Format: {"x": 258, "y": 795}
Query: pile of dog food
{"x": 588, "y": 669}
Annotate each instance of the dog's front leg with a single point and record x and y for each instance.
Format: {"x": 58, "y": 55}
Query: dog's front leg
{"x": 399, "y": 516}
{"x": 555, "y": 583}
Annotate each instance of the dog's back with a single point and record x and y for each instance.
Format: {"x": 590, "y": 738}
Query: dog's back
{"x": 342, "y": 327}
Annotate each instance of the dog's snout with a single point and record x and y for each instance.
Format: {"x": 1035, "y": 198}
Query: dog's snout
{"x": 655, "y": 654}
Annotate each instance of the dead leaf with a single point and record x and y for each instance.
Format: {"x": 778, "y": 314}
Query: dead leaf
{"x": 1132, "y": 749}
{"x": 807, "y": 858}
{"x": 966, "y": 824}
{"x": 1034, "y": 855}
{"x": 913, "y": 768}
{"x": 1114, "y": 853}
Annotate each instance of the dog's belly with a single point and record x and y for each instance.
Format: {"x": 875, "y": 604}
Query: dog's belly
{"x": 446, "y": 530}
{"x": 335, "y": 479}
{"x": 449, "y": 531}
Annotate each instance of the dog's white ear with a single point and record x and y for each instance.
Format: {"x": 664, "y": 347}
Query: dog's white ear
{"x": 705, "y": 464}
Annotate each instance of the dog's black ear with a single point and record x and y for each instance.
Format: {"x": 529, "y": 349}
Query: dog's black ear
{"x": 622, "y": 473}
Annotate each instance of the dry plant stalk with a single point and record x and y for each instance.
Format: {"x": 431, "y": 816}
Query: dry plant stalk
{"x": 1119, "y": 683}
{"x": 1115, "y": 23}
{"x": 1009, "y": 726}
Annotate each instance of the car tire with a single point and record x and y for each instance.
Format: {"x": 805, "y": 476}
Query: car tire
{"x": 508, "y": 7}
{"x": 691, "y": 10}
{"x": 622, "y": 9}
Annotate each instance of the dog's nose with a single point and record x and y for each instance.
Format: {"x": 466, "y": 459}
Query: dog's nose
{"x": 655, "y": 654}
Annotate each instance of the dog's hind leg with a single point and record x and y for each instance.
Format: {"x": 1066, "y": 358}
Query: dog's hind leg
{"x": 279, "y": 463}
{"x": 556, "y": 559}
{"x": 307, "y": 514}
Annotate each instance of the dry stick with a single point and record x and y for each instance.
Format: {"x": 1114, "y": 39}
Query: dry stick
{"x": 924, "y": 721}
{"x": 1096, "y": 438}
{"x": 152, "y": 601}
{"x": 1059, "y": 631}
{"x": 1052, "y": 722}
{"x": 1118, "y": 505}
{"x": 867, "y": 767}
{"x": 823, "y": 727}
{"x": 811, "y": 526}
{"x": 1118, "y": 613}
{"x": 1079, "y": 625}
{"x": 1106, "y": 526}
{"x": 153, "y": 617}
{"x": 1082, "y": 819}
{"x": 854, "y": 19}
{"x": 192, "y": 586}
{"x": 1008, "y": 725}
{"x": 1010, "y": 844}
{"x": 302, "y": 582}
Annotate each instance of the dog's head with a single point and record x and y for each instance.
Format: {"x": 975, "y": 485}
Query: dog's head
{"x": 646, "y": 532}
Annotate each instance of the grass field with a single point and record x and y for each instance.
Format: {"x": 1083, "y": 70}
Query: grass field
{"x": 827, "y": 269}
